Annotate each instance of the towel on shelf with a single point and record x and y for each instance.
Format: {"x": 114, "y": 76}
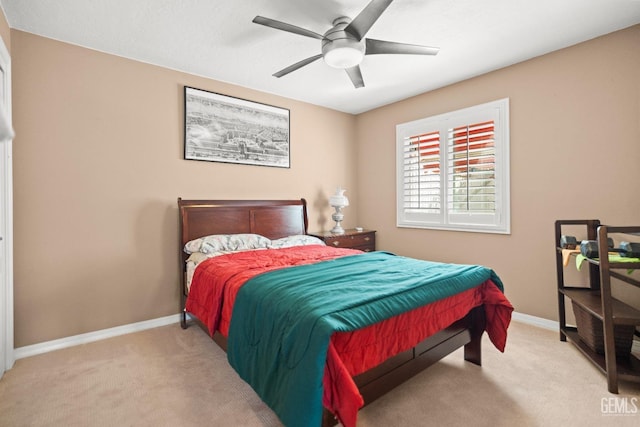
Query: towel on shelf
{"x": 566, "y": 254}
{"x": 613, "y": 258}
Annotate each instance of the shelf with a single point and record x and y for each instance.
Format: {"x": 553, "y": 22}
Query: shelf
{"x": 590, "y": 300}
{"x": 628, "y": 368}
{"x": 595, "y": 308}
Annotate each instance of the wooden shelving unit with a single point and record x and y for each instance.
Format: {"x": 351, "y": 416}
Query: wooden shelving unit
{"x": 595, "y": 299}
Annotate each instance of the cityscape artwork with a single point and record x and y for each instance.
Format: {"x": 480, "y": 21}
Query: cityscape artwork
{"x": 220, "y": 128}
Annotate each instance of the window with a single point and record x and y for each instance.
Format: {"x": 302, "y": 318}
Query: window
{"x": 453, "y": 170}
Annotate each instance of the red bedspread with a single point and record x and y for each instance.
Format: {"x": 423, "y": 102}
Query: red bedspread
{"x": 217, "y": 280}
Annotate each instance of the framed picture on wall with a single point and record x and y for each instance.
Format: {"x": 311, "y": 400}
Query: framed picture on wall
{"x": 221, "y": 128}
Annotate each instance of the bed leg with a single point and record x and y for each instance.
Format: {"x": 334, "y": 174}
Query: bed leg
{"x": 473, "y": 350}
{"x": 183, "y": 319}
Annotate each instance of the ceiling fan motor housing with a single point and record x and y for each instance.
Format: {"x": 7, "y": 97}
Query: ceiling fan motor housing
{"x": 341, "y": 49}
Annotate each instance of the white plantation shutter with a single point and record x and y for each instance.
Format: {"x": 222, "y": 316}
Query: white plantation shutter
{"x": 421, "y": 182}
{"x": 453, "y": 170}
{"x": 471, "y": 173}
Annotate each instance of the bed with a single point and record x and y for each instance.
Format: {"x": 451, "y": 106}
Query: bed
{"x": 442, "y": 326}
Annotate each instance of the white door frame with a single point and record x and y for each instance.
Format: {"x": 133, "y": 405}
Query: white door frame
{"x": 6, "y": 223}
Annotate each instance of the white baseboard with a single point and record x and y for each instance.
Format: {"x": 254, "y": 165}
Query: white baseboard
{"x": 44, "y": 347}
{"x": 536, "y": 321}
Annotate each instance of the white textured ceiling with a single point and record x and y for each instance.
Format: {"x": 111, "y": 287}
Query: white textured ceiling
{"x": 216, "y": 39}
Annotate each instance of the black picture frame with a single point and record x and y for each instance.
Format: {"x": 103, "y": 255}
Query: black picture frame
{"x": 226, "y": 129}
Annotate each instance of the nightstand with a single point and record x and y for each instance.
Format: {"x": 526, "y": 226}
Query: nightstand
{"x": 364, "y": 240}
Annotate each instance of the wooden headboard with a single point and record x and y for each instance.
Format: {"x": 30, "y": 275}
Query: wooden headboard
{"x": 270, "y": 218}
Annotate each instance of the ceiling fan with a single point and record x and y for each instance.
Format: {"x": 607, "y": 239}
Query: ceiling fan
{"x": 344, "y": 45}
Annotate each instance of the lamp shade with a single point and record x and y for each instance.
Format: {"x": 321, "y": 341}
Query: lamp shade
{"x": 339, "y": 199}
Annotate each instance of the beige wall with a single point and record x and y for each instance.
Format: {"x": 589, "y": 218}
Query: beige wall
{"x": 575, "y": 151}
{"x": 98, "y": 163}
{"x": 98, "y": 167}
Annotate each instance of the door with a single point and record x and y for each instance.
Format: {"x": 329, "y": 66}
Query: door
{"x": 6, "y": 214}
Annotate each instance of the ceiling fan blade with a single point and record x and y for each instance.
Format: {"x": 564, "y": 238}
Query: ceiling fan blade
{"x": 365, "y": 19}
{"x": 374, "y": 47}
{"x": 297, "y": 65}
{"x": 272, "y": 23}
{"x": 356, "y": 76}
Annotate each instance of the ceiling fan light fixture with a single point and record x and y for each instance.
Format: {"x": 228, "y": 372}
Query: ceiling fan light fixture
{"x": 343, "y": 53}
{"x": 344, "y": 44}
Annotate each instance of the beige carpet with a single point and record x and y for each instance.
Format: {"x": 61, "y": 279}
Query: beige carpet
{"x": 170, "y": 377}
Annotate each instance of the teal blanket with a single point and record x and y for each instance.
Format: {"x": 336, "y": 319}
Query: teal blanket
{"x": 283, "y": 320}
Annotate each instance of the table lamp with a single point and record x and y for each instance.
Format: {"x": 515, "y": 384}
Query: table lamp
{"x": 338, "y": 201}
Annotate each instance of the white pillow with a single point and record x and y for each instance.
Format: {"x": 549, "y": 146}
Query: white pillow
{"x": 297, "y": 240}
{"x": 226, "y": 243}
